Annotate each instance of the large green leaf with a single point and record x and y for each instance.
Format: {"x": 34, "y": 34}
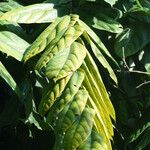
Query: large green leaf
{"x": 51, "y": 96}
{"x": 14, "y": 28}
{"x": 71, "y": 111}
{"x": 44, "y": 39}
{"x": 94, "y": 141}
{"x": 76, "y": 88}
{"x": 37, "y": 13}
{"x": 60, "y": 34}
{"x": 80, "y": 130}
{"x": 66, "y": 61}
{"x": 8, "y": 78}
{"x": 68, "y": 94}
{"x": 101, "y": 47}
{"x": 8, "y": 45}
{"x": 133, "y": 39}
{"x": 101, "y": 58}
{"x": 62, "y": 41}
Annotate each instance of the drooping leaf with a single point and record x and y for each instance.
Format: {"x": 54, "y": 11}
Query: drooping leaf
{"x": 101, "y": 58}
{"x": 51, "y": 96}
{"x": 58, "y": 35}
{"x": 37, "y": 13}
{"x": 43, "y": 40}
{"x": 68, "y": 94}
{"x": 79, "y": 131}
{"x": 94, "y": 141}
{"x": 71, "y": 111}
{"x": 96, "y": 49}
{"x": 8, "y": 45}
{"x": 14, "y": 28}
{"x": 96, "y": 99}
{"x": 8, "y": 78}
{"x": 66, "y": 61}
{"x": 131, "y": 40}
{"x": 94, "y": 73}
{"x": 62, "y": 41}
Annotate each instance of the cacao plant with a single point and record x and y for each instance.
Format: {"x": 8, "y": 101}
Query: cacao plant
{"x": 75, "y": 101}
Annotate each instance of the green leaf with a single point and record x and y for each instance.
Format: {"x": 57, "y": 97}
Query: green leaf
{"x": 66, "y": 61}
{"x": 8, "y": 45}
{"x": 68, "y": 34}
{"x": 101, "y": 47}
{"x": 71, "y": 111}
{"x": 37, "y": 13}
{"x": 68, "y": 94}
{"x": 7, "y": 6}
{"x": 14, "y": 28}
{"x": 94, "y": 142}
{"x": 101, "y": 58}
{"x": 79, "y": 131}
{"x": 60, "y": 34}
{"x": 107, "y": 24}
{"x": 51, "y": 96}
{"x": 99, "y": 102}
{"x": 43, "y": 39}
{"x": 133, "y": 39}
{"x": 10, "y": 81}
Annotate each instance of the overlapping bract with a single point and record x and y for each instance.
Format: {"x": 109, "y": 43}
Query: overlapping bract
{"x": 77, "y": 105}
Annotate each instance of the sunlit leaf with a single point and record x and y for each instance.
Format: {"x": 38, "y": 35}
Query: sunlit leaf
{"x": 79, "y": 131}
{"x": 37, "y": 13}
{"x": 8, "y": 44}
{"x": 94, "y": 141}
{"x": 66, "y": 61}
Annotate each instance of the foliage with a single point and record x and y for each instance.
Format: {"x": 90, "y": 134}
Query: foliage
{"x": 58, "y": 76}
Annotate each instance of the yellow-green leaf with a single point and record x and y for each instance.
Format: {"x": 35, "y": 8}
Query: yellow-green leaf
{"x": 68, "y": 94}
{"x": 71, "y": 111}
{"x": 66, "y": 61}
{"x": 80, "y": 130}
{"x": 9, "y": 46}
{"x": 37, "y": 13}
{"x": 51, "y": 96}
{"x": 94, "y": 142}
